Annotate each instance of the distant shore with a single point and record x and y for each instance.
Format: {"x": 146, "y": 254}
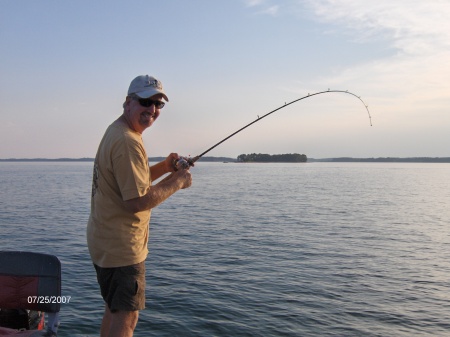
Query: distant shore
{"x": 233, "y": 160}
{"x": 384, "y": 160}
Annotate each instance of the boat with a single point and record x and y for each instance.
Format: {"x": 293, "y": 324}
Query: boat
{"x": 30, "y": 291}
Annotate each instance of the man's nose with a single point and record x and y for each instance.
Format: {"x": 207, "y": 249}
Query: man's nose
{"x": 151, "y": 109}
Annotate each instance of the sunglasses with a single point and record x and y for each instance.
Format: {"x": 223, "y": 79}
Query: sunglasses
{"x": 147, "y": 102}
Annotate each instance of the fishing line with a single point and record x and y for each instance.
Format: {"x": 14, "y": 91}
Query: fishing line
{"x": 186, "y": 162}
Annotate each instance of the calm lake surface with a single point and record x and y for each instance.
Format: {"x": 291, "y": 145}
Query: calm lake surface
{"x": 315, "y": 249}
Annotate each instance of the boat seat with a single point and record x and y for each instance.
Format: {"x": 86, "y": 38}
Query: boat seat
{"x": 30, "y": 281}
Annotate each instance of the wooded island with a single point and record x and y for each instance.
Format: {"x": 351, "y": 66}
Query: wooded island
{"x": 276, "y": 158}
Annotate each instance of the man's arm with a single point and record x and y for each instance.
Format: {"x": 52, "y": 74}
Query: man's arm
{"x": 161, "y": 168}
{"x": 160, "y": 192}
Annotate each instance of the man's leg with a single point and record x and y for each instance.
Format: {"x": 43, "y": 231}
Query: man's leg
{"x": 119, "y": 324}
{"x": 123, "y": 289}
{"x": 106, "y": 322}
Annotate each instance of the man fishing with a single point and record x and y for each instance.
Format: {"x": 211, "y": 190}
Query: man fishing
{"x": 121, "y": 203}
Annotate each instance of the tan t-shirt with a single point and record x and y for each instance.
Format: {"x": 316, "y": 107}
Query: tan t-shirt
{"x": 117, "y": 237}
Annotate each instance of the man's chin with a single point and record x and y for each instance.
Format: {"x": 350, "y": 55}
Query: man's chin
{"x": 146, "y": 125}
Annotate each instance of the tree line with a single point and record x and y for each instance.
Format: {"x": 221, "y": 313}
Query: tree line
{"x": 276, "y": 158}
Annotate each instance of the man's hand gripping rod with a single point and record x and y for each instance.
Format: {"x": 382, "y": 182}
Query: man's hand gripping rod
{"x": 186, "y": 162}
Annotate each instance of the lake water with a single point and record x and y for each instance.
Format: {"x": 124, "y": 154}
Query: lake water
{"x": 315, "y": 249}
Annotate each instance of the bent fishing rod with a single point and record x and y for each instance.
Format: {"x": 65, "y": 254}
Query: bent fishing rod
{"x": 185, "y": 162}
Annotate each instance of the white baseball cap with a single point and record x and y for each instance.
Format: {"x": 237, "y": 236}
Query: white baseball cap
{"x": 146, "y": 86}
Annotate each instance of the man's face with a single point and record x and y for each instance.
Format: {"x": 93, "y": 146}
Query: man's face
{"x": 141, "y": 117}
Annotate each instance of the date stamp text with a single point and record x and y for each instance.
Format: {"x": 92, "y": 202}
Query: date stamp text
{"x": 49, "y": 299}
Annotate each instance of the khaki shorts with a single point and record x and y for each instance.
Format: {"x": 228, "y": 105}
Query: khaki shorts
{"x": 123, "y": 288}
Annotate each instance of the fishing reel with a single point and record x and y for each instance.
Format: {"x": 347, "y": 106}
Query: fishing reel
{"x": 183, "y": 163}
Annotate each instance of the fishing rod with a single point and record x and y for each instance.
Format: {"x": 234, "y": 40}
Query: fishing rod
{"x": 185, "y": 163}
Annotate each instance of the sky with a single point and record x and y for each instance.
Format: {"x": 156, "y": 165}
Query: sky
{"x": 65, "y": 68}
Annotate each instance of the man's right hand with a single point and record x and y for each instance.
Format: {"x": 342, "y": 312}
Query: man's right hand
{"x": 183, "y": 177}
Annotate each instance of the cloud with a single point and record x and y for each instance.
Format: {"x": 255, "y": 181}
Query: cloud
{"x": 420, "y": 33}
{"x": 273, "y": 10}
{"x": 253, "y": 3}
{"x": 266, "y": 8}
{"x": 414, "y": 27}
